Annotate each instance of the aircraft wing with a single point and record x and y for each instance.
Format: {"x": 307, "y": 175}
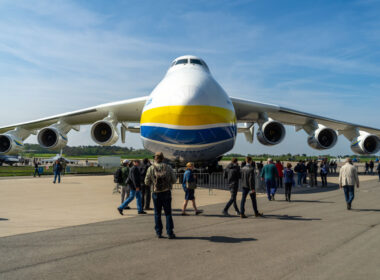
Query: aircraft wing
{"x": 125, "y": 111}
{"x": 250, "y": 111}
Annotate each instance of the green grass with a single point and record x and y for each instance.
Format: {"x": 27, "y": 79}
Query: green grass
{"x": 6, "y": 171}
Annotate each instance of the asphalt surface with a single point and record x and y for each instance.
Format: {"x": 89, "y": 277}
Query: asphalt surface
{"x": 313, "y": 237}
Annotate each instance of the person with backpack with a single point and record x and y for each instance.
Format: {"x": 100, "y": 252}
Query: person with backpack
{"x": 145, "y": 189}
{"x": 189, "y": 185}
{"x": 323, "y": 173}
{"x": 289, "y": 181}
{"x": 269, "y": 175}
{"x": 248, "y": 186}
{"x": 161, "y": 176}
{"x": 120, "y": 178}
{"x": 134, "y": 182}
{"x": 232, "y": 174}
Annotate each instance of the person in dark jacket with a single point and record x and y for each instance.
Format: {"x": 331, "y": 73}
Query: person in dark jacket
{"x": 57, "y": 169}
{"x": 232, "y": 174}
{"x": 316, "y": 172}
{"x": 289, "y": 181}
{"x": 134, "y": 182}
{"x": 36, "y": 168}
{"x": 145, "y": 189}
{"x": 371, "y": 166}
{"x": 248, "y": 184}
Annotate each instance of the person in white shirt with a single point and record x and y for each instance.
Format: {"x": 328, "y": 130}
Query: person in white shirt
{"x": 348, "y": 178}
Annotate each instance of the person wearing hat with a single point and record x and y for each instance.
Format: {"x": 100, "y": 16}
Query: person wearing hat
{"x": 348, "y": 178}
{"x": 124, "y": 176}
{"x": 161, "y": 177}
{"x": 189, "y": 185}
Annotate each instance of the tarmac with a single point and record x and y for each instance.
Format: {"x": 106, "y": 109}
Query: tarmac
{"x": 73, "y": 231}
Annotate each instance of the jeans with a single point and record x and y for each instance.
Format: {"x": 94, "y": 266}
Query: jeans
{"x": 57, "y": 174}
{"x": 324, "y": 179}
{"x": 131, "y": 196}
{"x": 36, "y": 171}
{"x": 163, "y": 200}
{"x": 233, "y": 191}
{"x": 349, "y": 193}
{"x": 243, "y": 199}
{"x": 299, "y": 179}
{"x": 271, "y": 187}
{"x": 145, "y": 193}
{"x": 288, "y": 190}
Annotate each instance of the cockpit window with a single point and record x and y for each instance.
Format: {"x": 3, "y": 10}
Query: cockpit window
{"x": 181, "y": 61}
{"x": 195, "y": 61}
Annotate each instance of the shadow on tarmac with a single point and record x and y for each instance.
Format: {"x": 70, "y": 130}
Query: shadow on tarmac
{"x": 290, "y": 218}
{"x": 311, "y": 201}
{"x": 218, "y": 239}
{"x": 365, "y": 210}
{"x": 4, "y": 219}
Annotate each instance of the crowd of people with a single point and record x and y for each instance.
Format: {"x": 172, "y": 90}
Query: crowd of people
{"x": 145, "y": 180}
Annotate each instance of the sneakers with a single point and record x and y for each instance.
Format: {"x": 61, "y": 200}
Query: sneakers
{"x": 348, "y": 206}
{"x": 258, "y": 214}
{"x": 171, "y": 236}
{"x": 141, "y": 212}
{"x": 243, "y": 216}
{"x": 159, "y": 236}
{"x": 273, "y": 197}
{"x": 120, "y": 211}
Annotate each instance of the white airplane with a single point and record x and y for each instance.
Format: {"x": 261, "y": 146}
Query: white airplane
{"x": 189, "y": 117}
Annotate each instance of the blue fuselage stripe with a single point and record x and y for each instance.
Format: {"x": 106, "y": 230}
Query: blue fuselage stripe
{"x": 188, "y": 136}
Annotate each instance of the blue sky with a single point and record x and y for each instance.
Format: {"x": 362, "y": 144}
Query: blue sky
{"x": 321, "y": 57}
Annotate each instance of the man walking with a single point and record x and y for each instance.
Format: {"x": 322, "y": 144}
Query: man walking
{"x": 232, "y": 174}
{"x": 269, "y": 174}
{"x": 161, "y": 176}
{"x": 36, "y": 168}
{"x": 134, "y": 182}
{"x": 248, "y": 185}
{"x": 348, "y": 178}
{"x": 145, "y": 189}
{"x": 57, "y": 169}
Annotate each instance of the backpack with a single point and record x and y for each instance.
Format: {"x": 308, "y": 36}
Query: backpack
{"x": 117, "y": 176}
{"x": 160, "y": 181}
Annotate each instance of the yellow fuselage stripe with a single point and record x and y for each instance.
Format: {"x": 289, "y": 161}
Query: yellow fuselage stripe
{"x": 190, "y": 115}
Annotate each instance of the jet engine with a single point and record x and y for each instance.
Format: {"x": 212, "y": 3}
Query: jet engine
{"x": 52, "y": 138}
{"x": 365, "y": 144}
{"x": 323, "y": 138}
{"x": 271, "y": 133}
{"x": 9, "y": 144}
{"x": 104, "y": 133}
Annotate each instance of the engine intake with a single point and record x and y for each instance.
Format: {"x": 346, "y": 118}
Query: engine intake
{"x": 10, "y": 144}
{"x": 104, "y": 133}
{"x": 52, "y": 138}
{"x": 323, "y": 138}
{"x": 271, "y": 133}
{"x": 366, "y": 144}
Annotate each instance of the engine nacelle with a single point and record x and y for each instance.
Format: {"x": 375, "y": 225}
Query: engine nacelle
{"x": 271, "y": 133}
{"x": 365, "y": 144}
{"x": 10, "y": 144}
{"x": 323, "y": 138}
{"x": 52, "y": 138}
{"x": 104, "y": 133}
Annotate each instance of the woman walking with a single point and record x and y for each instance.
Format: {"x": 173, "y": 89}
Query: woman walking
{"x": 189, "y": 185}
{"x": 288, "y": 180}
